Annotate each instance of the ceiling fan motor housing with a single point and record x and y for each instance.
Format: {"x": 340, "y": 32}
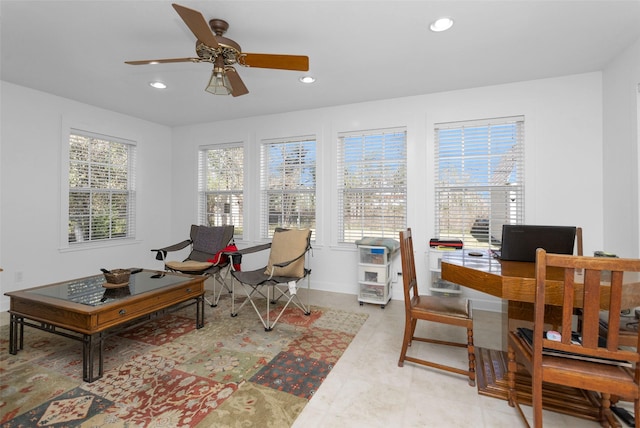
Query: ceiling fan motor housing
{"x": 230, "y": 52}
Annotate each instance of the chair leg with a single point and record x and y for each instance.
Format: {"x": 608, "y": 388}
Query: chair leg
{"x": 218, "y": 278}
{"x": 248, "y": 294}
{"x": 472, "y": 357}
{"x": 511, "y": 377}
{"x": 512, "y": 368}
{"x": 213, "y": 302}
{"x": 536, "y": 401}
{"x": 607, "y": 419}
{"x": 414, "y": 322}
{"x": 292, "y": 297}
{"x": 405, "y": 340}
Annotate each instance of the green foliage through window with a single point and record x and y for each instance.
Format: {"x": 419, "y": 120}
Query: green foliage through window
{"x": 288, "y": 184}
{"x": 101, "y": 191}
{"x": 221, "y": 182}
{"x": 372, "y": 184}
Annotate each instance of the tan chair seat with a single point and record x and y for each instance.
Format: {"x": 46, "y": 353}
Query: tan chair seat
{"x": 451, "y": 306}
{"x": 188, "y": 266}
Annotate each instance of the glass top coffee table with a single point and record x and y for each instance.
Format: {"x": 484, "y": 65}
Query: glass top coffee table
{"x": 85, "y": 310}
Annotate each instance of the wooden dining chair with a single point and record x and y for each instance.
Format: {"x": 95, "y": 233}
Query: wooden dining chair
{"x": 579, "y": 359}
{"x": 454, "y": 311}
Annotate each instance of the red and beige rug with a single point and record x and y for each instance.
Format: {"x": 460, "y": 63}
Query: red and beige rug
{"x": 166, "y": 373}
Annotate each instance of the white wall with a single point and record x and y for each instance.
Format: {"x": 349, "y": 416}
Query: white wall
{"x": 621, "y": 81}
{"x": 563, "y": 150}
{"x": 563, "y": 129}
{"x": 31, "y": 139}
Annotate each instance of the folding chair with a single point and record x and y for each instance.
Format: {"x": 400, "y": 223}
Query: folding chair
{"x": 280, "y": 278}
{"x": 206, "y": 257}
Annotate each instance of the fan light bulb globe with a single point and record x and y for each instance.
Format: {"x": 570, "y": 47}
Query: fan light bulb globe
{"x": 219, "y": 83}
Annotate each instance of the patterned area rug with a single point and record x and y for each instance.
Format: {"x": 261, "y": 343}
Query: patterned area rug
{"x": 166, "y": 373}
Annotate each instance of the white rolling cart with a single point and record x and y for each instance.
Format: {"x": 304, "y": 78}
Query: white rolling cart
{"x": 375, "y": 257}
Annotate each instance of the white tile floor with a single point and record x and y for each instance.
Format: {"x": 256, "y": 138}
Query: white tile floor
{"x": 366, "y": 388}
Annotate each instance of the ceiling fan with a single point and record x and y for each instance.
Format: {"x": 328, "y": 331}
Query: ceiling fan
{"x": 223, "y": 53}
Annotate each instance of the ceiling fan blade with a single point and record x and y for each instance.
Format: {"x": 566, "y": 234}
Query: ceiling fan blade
{"x": 237, "y": 85}
{"x": 197, "y": 24}
{"x": 162, "y": 61}
{"x": 280, "y": 62}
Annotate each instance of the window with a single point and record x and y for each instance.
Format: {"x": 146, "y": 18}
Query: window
{"x": 288, "y": 184}
{"x": 479, "y": 179}
{"x": 101, "y": 188}
{"x": 372, "y": 184}
{"x": 220, "y": 184}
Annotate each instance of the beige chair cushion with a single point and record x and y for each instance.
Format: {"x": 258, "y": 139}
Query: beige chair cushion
{"x": 287, "y": 245}
{"x": 189, "y": 266}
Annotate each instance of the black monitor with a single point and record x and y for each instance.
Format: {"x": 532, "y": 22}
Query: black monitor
{"x": 519, "y": 242}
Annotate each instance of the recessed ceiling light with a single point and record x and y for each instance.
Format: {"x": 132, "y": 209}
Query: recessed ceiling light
{"x": 441, "y": 24}
{"x": 307, "y": 79}
{"x": 157, "y": 85}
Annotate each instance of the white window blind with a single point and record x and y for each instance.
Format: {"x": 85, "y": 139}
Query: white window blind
{"x": 288, "y": 184}
{"x": 372, "y": 183}
{"x": 479, "y": 183}
{"x": 220, "y": 186}
{"x": 101, "y": 188}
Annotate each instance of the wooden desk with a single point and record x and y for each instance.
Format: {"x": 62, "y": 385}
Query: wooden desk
{"x": 515, "y": 283}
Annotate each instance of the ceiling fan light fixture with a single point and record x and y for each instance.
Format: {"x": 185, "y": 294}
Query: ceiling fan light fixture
{"x": 441, "y": 24}
{"x": 219, "y": 83}
{"x": 307, "y": 79}
{"x": 158, "y": 85}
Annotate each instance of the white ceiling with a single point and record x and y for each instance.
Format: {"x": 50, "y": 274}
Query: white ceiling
{"x": 358, "y": 50}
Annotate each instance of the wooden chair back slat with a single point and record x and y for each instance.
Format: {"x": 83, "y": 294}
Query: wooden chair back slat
{"x": 591, "y": 269}
{"x": 409, "y": 276}
{"x": 567, "y": 309}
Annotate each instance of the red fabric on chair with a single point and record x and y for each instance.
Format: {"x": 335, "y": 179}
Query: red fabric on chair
{"x": 221, "y": 258}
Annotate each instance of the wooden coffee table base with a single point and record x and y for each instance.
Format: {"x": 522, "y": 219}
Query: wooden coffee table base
{"x": 92, "y": 344}
{"x": 491, "y": 378}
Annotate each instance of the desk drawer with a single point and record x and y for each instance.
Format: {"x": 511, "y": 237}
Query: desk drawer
{"x": 135, "y": 309}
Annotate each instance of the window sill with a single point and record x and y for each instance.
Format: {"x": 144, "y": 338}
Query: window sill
{"x": 82, "y": 246}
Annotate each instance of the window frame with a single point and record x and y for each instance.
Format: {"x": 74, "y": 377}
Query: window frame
{"x": 390, "y": 226}
{"x": 110, "y": 190}
{"x": 233, "y": 193}
{"x": 488, "y": 188}
{"x": 270, "y": 191}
